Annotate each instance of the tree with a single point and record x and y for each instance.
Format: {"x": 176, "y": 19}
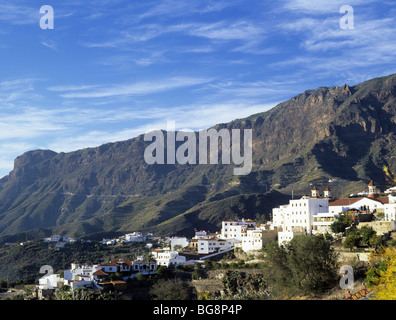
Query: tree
{"x": 238, "y": 284}
{"x": 305, "y": 265}
{"x": 276, "y": 269}
{"x": 351, "y": 241}
{"x": 171, "y": 289}
{"x": 366, "y": 233}
{"x": 198, "y": 274}
{"x": 178, "y": 247}
{"x": 375, "y": 241}
{"x": 341, "y": 223}
{"x": 164, "y": 272}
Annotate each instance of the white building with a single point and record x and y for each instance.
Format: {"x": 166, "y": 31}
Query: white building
{"x": 213, "y": 245}
{"x": 202, "y": 234}
{"x": 135, "y": 237}
{"x": 231, "y": 229}
{"x": 79, "y": 272}
{"x": 179, "y": 241}
{"x": 69, "y": 240}
{"x": 145, "y": 267}
{"x": 257, "y": 239}
{"x": 322, "y": 222}
{"x": 390, "y": 209}
{"x": 167, "y": 257}
{"x": 108, "y": 241}
{"x": 297, "y": 217}
{"x": 391, "y": 190}
{"x": 50, "y": 281}
{"x": 373, "y": 203}
{"x": 53, "y": 238}
{"x": 313, "y": 215}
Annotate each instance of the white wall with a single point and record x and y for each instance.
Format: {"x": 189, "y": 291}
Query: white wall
{"x": 50, "y": 281}
{"x": 182, "y": 241}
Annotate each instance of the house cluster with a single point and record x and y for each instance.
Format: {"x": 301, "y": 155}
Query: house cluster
{"x": 310, "y": 215}
{"x": 241, "y": 233}
{"x": 107, "y": 276}
{"x": 129, "y": 237}
{"x": 59, "y": 241}
{"x": 315, "y": 213}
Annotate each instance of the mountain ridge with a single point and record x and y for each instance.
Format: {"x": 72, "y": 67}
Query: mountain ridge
{"x": 344, "y": 133}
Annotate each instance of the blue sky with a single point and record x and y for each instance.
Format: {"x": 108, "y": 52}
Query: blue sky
{"x": 113, "y": 69}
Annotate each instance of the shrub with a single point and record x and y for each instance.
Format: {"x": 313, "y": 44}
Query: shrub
{"x": 305, "y": 265}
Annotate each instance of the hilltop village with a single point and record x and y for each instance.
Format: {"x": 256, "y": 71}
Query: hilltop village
{"x": 311, "y": 215}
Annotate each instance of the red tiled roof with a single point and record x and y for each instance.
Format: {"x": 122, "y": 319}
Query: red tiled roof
{"x": 350, "y": 201}
{"x": 382, "y": 199}
{"x": 343, "y": 202}
{"x": 100, "y": 272}
{"x": 112, "y": 263}
{"x": 128, "y": 262}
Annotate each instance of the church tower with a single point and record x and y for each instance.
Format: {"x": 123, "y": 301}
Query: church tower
{"x": 327, "y": 193}
{"x": 315, "y": 193}
{"x": 372, "y": 190}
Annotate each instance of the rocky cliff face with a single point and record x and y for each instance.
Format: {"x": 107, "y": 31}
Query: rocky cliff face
{"x": 344, "y": 133}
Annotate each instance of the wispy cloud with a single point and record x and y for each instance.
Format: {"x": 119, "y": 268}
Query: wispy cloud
{"x": 320, "y": 7}
{"x": 326, "y": 50}
{"x": 17, "y": 91}
{"x": 176, "y": 8}
{"x": 18, "y": 14}
{"x": 49, "y": 44}
{"x": 140, "y": 88}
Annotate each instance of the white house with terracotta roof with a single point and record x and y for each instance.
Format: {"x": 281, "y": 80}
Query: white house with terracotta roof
{"x": 371, "y": 204}
{"x": 86, "y": 275}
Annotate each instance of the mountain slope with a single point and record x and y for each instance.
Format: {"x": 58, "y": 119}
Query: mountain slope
{"x": 344, "y": 133}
